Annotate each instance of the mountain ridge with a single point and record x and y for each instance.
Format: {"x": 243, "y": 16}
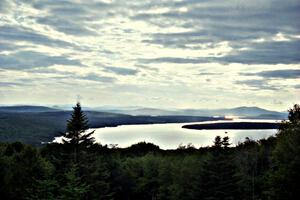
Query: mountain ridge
{"x": 241, "y": 112}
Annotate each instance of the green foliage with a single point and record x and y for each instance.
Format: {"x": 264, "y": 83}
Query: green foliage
{"x": 219, "y": 173}
{"x": 98, "y": 176}
{"x": 285, "y": 179}
{"x": 74, "y": 188}
{"x": 31, "y": 128}
{"x": 44, "y": 190}
{"x": 21, "y": 169}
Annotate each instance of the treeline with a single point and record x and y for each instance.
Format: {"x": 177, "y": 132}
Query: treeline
{"x": 79, "y": 169}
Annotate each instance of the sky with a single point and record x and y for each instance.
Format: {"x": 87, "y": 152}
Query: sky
{"x": 151, "y": 53}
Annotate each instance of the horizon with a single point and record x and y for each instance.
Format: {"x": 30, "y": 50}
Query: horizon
{"x": 112, "y": 107}
{"x": 158, "y": 54}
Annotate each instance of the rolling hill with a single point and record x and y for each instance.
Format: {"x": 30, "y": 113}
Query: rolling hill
{"x": 26, "y": 108}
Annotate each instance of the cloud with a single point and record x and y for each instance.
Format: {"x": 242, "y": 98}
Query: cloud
{"x": 148, "y": 68}
{"x": 285, "y": 52}
{"x": 11, "y": 84}
{"x": 72, "y": 18}
{"x": 98, "y": 78}
{"x": 258, "y": 84}
{"x": 29, "y": 59}
{"x": 238, "y": 22}
{"x": 4, "y": 6}
{"x": 122, "y": 71}
{"x": 284, "y": 74}
{"x": 49, "y": 70}
{"x": 6, "y": 46}
{"x": 68, "y": 27}
{"x": 209, "y": 73}
{"x": 177, "y": 60}
{"x": 15, "y": 34}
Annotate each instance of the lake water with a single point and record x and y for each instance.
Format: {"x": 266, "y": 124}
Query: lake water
{"x": 170, "y": 136}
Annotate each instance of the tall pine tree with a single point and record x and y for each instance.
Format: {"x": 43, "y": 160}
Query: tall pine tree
{"x": 76, "y": 129}
{"x": 76, "y": 135}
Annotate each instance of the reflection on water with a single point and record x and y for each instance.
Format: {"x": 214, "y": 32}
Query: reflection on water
{"x": 170, "y": 136}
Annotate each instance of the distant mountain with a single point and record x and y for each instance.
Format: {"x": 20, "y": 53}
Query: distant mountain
{"x": 242, "y": 112}
{"x": 250, "y": 111}
{"x": 145, "y": 111}
{"x": 27, "y": 109}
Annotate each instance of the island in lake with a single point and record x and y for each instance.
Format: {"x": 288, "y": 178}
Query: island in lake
{"x": 233, "y": 125}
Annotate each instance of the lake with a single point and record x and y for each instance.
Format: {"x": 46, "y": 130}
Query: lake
{"x": 170, "y": 136}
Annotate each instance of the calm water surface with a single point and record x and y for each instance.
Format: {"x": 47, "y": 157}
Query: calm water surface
{"x": 170, "y": 136}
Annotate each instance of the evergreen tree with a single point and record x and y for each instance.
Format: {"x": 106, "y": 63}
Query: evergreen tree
{"x": 294, "y": 114}
{"x": 76, "y": 129}
{"x": 286, "y": 178}
{"x": 217, "y": 142}
{"x": 225, "y": 142}
{"x": 219, "y": 180}
{"x": 74, "y": 188}
{"x": 43, "y": 190}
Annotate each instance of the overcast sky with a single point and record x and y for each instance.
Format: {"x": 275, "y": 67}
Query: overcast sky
{"x": 154, "y": 53}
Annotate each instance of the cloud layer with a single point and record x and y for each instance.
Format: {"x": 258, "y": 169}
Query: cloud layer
{"x": 158, "y": 53}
